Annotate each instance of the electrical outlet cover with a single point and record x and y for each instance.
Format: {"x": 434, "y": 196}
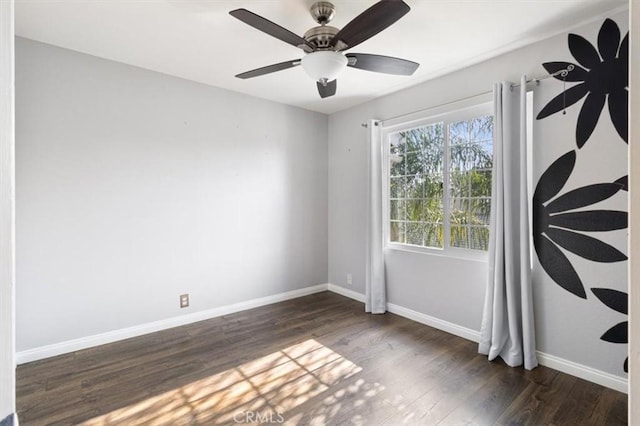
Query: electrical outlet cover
{"x": 184, "y": 300}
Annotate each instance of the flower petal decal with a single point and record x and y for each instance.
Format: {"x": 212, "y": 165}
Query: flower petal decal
{"x": 588, "y": 117}
{"x": 598, "y": 220}
{"x": 619, "y": 111}
{"x": 608, "y": 40}
{"x": 584, "y": 246}
{"x": 554, "y": 178}
{"x": 617, "y": 333}
{"x": 556, "y": 264}
{"x": 564, "y": 99}
{"x": 584, "y": 196}
{"x": 624, "y": 183}
{"x": 554, "y": 223}
{"x": 616, "y": 300}
{"x": 603, "y": 77}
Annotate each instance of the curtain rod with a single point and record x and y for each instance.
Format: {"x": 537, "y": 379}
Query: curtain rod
{"x": 562, "y": 73}
{"x": 377, "y": 122}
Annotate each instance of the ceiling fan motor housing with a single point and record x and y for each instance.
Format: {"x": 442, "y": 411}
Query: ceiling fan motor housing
{"x": 321, "y": 36}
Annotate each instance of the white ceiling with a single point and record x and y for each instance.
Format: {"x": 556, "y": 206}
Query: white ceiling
{"x": 200, "y": 41}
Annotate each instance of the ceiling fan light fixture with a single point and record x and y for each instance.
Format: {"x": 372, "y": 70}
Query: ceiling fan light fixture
{"x": 324, "y": 65}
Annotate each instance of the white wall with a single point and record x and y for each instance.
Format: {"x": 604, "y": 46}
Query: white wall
{"x": 453, "y": 289}
{"x": 134, "y": 187}
{"x": 7, "y": 318}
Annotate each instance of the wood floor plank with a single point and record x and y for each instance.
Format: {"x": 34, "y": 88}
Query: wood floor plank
{"x": 537, "y": 404}
{"x": 451, "y": 392}
{"x": 314, "y": 360}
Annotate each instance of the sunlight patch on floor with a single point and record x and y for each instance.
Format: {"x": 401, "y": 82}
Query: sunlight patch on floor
{"x": 266, "y": 387}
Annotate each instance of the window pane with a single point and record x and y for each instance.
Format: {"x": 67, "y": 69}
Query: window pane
{"x": 432, "y": 210}
{"x": 487, "y": 149}
{"x": 472, "y": 156}
{"x": 433, "y": 186}
{"x": 478, "y": 158}
{"x": 481, "y": 128}
{"x": 480, "y": 211}
{"x": 424, "y": 234}
{"x": 459, "y": 185}
{"x": 434, "y": 235}
{"x": 413, "y": 163}
{"x": 470, "y": 165}
{"x": 397, "y": 210}
{"x": 414, "y": 209}
{"x": 397, "y": 233}
{"x": 396, "y": 165}
{"x": 433, "y": 158}
{"x": 480, "y": 183}
{"x": 459, "y": 132}
{"x": 458, "y": 157}
{"x": 479, "y": 238}
{"x": 459, "y": 211}
{"x": 416, "y": 185}
{"x": 396, "y": 144}
{"x": 397, "y": 187}
{"x": 459, "y": 236}
{"x": 415, "y": 234}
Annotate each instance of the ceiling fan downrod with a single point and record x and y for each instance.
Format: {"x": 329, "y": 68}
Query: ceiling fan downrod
{"x": 322, "y": 12}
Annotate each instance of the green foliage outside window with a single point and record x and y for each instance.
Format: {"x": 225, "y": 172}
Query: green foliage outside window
{"x": 416, "y": 184}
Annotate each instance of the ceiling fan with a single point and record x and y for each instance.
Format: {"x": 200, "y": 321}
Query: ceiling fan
{"x": 323, "y": 45}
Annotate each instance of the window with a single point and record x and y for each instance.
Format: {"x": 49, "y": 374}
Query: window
{"x": 439, "y": 181}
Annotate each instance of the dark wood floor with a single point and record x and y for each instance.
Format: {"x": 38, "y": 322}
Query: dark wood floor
{"x": 313, "y": 360}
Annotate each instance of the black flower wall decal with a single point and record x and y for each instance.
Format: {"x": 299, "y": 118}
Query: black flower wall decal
{"x": 602, "y": 74}
{"x": 624, "y": 183}
{"x": 555, "y": 223}
{"x": 616, "y": 300}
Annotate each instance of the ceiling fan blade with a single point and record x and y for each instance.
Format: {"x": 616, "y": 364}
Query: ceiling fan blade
{"x": 269, "y": 69}
{"x": 379, "y": 63}
{"x": 327, "y": 90}
{"x": 273, "y": 29}
{"x": 369, "y": 23}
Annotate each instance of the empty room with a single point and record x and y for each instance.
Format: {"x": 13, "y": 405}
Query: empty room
{"x": 366, "y": 212}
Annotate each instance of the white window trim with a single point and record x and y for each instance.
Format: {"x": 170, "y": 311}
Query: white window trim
{"x": 455, "y": 111}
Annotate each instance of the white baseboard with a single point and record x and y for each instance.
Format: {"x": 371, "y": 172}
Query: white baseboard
{"x": 449, "y": 327}
{"x": 346, "y": 292}
{"x": 125, "y": 333}
{"x": 551, "y": 361}
{"x": 416, "y": 316}
{"x": 569, "y": 367}
{"x": 618, "y": 383}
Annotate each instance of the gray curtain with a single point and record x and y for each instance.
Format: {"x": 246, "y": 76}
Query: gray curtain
{"x": 8, "y": 421}
{"x": 376, "y": 293}
{"x": 507, "y": 328}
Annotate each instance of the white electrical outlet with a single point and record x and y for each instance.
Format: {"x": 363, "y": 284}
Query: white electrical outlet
{"x": 184, "y": 300}
{"x": 349, "y": 279}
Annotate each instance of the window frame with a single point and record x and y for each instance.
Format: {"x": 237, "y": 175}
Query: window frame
{"x": 446, "y": 114}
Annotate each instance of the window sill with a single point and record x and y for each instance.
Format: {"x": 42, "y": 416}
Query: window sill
{"x": 469, "y": 255}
